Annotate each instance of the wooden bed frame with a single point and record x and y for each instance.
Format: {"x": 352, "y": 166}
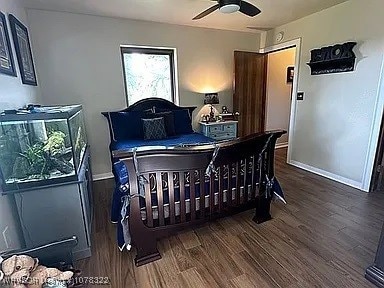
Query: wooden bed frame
{"x": 240, "y": 178}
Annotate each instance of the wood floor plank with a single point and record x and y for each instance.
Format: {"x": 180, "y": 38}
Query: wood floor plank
{"x": 207, "y": 268}
{"x": 180, "y": 254}
{"x": 214, "y": 249}
{"x": 244, "y": 281}
{"x": 255, "y": 273}
{"x": 231, "y": 244}
{"x": 189, "y": 239}
{"x": 325, "y": 236}
{"x": 267, "y": 262}
{"x": 192, "y": 278}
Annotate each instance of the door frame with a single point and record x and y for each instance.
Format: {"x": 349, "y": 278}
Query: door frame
{"x": 375, "y": 133}
{"x": 296, "y": 43}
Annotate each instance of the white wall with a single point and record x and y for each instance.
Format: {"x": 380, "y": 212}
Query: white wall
{"x": 78, "y": 60}
{"x": 279, "y": 91}
{"x": 334, "y": 123}
{"x": 13, "y": 94}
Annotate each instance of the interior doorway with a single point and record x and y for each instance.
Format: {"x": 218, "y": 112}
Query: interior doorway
{"x": 280, "y": 74}
{"x": 250, "y": 92}
{"x": 377, "y": 181}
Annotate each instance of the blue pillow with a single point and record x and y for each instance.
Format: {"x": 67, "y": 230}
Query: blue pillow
{"x": 125, "y": 125}
{"x": 183, "y": 121}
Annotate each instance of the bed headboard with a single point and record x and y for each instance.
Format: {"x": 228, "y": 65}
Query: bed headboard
{"x": 150, "y": 103}
{"x": 154, "y": 104}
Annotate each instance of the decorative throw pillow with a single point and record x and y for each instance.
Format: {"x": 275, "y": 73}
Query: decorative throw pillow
{"x": 154, "y": 129}
{"x": 183, "y": 121}
{"x": 125, "y": 125}
{"x": 169, "y": 121}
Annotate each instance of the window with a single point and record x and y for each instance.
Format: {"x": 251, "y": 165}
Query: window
{"x": 148, "y": 72}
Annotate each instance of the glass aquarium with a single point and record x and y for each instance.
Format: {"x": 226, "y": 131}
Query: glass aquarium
{"x": 41, "y": 147}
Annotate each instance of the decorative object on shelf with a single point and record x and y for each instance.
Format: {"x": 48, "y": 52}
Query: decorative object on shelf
{"x": 211, "y": 99}
{"x": 224, "y": 110}
{"x": 333, "y": 59}
{"x": 7, "y": 65}
{"x": 290, "y": 74}
{"x": 23, "y": 51}
{"x": 205, "y": 118}
{"x": 229, "y": 116}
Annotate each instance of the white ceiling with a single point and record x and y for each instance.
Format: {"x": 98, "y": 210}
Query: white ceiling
{"x": 274, "y": 12}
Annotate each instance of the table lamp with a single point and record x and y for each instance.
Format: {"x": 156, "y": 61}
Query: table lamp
{"x": 211, "y": 99}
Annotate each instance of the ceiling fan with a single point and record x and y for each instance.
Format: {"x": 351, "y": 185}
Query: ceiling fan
{"x": 231, "y": 6}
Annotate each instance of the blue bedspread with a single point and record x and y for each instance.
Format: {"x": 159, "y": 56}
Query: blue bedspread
{"x": 184, "y": 139}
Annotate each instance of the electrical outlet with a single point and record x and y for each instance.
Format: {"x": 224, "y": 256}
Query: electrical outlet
{"x": 5, "y": 236}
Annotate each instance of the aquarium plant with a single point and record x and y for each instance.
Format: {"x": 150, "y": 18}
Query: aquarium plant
{"x": 42, "y": 159}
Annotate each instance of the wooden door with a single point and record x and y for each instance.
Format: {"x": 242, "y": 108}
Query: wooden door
{"x": 377, "y": 183}
{"x": 250, "y": 84}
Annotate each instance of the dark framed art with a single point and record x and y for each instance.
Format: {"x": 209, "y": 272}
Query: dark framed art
{"x": 23, "y": 51}
{"x": 7, "y": 65}
{"x": 290, "y": 74}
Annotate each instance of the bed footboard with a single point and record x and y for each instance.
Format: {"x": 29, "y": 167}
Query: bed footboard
{"x": 172, "y": 189}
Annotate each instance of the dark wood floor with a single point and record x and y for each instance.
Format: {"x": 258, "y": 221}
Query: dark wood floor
{"x": 325, "y": 236}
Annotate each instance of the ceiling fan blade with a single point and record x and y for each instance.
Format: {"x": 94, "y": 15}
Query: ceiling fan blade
{"x": 207, "y": 12}
{"x": 248, "y": 9}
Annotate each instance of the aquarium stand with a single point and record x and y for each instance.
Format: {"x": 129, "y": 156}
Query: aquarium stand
{"x": 48, "y": 214}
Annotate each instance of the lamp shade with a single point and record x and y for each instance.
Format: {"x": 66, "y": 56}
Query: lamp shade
{"x": 211, "y": 98}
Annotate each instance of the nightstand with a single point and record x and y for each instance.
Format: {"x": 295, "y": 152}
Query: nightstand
{"x": 225, "y": 130}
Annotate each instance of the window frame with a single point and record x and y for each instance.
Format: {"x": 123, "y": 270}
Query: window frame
{"x": 171, "y": 52}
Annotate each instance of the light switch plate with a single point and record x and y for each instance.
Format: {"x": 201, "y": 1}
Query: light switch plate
{"x": 300, "y": 96}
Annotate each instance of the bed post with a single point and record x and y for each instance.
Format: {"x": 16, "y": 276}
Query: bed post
{"x": 144, "y": 239}
{"x": 263, "y": 201}
{"x": 263, "y": 208}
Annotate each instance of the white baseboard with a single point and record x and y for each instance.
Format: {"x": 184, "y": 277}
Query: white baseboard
{"x": 337, "y": 178}
{"x": 103, "y": 176}
{"x": 281, "y": 145}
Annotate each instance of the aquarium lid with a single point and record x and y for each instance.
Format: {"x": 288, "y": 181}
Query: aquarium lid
{"x": 42, "y": 113}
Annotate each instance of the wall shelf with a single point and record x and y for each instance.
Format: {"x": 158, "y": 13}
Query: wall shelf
{"x": 333, "y": 59}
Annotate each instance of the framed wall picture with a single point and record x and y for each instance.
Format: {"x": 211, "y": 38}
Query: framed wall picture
{"x": 290, "y": 74}
{"x": 23, "y": 51}
{"x": 7, "y": 65}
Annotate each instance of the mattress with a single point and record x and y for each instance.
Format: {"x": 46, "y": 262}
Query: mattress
{"x": 155, "y": 209}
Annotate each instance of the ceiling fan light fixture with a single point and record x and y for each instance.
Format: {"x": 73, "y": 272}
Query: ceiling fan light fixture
{"x": 230, "y": 8}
